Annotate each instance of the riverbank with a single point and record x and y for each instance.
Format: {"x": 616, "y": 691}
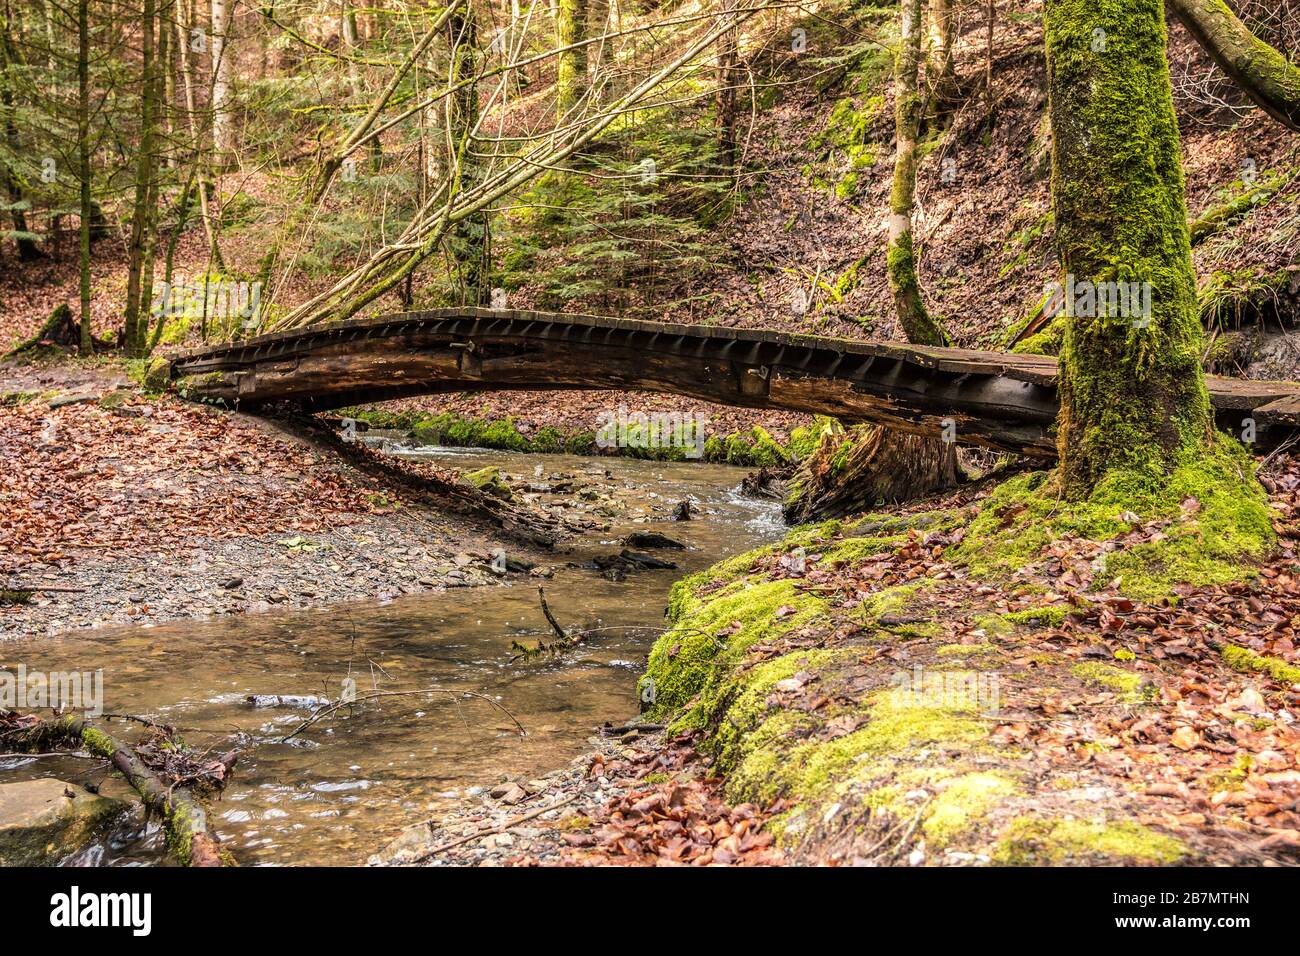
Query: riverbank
{"x": 123, "y": 507}
{"x": 875, "y": 692}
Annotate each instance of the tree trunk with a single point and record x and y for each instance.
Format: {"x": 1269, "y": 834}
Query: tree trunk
{"x": 28, "y": 248}
{"x": 83, "y": 170}
{"x": 867, "y": 467}
{"x": 728, "y": 76}
{"x": 136, "y": 325}
{"x": 941, "y": 72}
{"x": 1132, "y": 392}
{"x": 222, "y": 71}
{"x": 917, "y": 324}
{"x": 571, "y": 65}
{"x": 183, "y": 27}
{"x": 1264, "y": 74}
{"x": 469, "y": 239}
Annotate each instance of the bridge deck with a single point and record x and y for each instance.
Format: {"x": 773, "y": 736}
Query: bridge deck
{"x": 995, "y": 399}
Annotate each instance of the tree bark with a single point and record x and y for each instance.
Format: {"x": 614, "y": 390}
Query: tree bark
{"x": 222, "y": 71}
{"x": 728, "y": 76}
{"x": 919, "y": 327}
{"x": 28, "y": 248}
{"x": 571, "y": 64}
{"x": 1132, "y": 392}
{"x": 136, "y": 325}
{"x": 942, "y": 72}
{"x": 84, "y": 172}
{"x": 470, "y": 238}
{"x": 1263, "y": 73}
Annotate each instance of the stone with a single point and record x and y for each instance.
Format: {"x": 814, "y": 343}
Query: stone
{"x": 44, "y": 821}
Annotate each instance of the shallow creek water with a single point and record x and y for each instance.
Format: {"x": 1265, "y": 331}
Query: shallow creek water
{"x": 340, "y": 790}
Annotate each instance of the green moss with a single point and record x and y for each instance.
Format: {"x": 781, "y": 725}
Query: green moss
{"x": 1232, "y": 779}
{"x": 695, "y": 652}
{"x": 1053, "y": 615}
{"x": 804, "y": 439}
{"x": 1246, "y": 660}
{"x": 1047, "y": 341}
{"x": 1035, "y": 841}
{"x": 851, "y": 550}
{"x": 1218, "y": 516}
{"x": 846, "y": 145}
{"x": 962, "y": 803}
{"x": 877, "y": 608}
{"x": 962, "y": 650}
{"x": 1106, "y": 675}
{"x": 489, "y": 480}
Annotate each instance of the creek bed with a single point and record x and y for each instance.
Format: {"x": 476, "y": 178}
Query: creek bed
{"x": 341, "y": 789}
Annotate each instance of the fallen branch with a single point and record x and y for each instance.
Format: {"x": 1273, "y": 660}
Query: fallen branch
{"x": 184, "y": 820}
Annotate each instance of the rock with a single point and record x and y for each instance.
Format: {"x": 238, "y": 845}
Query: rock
{"x": 490, "y": 482}
{"x": 157, "y": 374}
{"x": 43, "y": 821}
{"x": 682, "y": 512}
{"x": 652, "y": 539}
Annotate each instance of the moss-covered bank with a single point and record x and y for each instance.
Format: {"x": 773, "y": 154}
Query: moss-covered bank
{"x": 754, "y": 448}
{"x": 799, "y": 695}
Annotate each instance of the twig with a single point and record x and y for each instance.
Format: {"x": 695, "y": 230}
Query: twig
{"x": 454, "y": 694}
{"x": 442, "y": 848}
{"x": 550, "y": 618}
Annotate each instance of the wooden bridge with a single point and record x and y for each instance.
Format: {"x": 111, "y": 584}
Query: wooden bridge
{"x": 998, "y": 400}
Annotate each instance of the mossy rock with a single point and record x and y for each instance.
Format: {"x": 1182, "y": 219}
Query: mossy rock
{"x": 41, "y": 825}
{"x": 489, "y": 481}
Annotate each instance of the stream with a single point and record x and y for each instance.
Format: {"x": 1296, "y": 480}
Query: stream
{"x": 346, "y": 785}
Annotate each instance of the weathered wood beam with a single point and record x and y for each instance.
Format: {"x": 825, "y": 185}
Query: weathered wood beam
{"x": 1005, "y": 402}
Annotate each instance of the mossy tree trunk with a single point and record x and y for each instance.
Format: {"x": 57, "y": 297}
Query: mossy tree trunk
{"x": 1132, "y": 393}
{"x": 86, "y": 205}
{"x": 919, "y": 327}
{"x": 571, "y": 64}
{"x": 1263, "y": 73}
{"x": 136, "y": 297}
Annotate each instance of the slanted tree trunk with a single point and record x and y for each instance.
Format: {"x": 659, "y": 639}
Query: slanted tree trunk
{"x": 1263, "y": 73}
{"x": 869, "y": 464}
{"x": 1132, "y": 392}
{"x": 571, "y": 64}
